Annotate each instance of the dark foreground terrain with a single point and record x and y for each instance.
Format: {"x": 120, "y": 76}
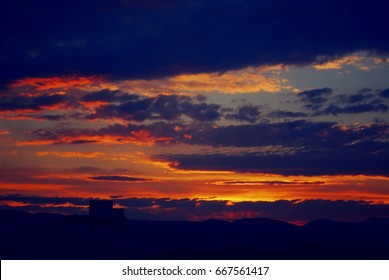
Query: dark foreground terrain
{"x": 50, "y": 236}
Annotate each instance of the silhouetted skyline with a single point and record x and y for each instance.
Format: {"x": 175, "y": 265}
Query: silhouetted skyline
{"x": 52, "y": 236}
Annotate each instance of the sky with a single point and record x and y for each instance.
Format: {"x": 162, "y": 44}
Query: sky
{"x": 192, "y": 110}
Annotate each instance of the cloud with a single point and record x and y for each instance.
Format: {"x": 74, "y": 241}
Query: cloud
{"x": 37, "y": 103}
{"x": 282, "y": 114}
{"x": 315, "y": 96}
{"x": 4, "y": 132}
{"x": 142, "y": 135}
{"x": 311, "y": 149}
{"x": 120, "y": 106}
{"x": 106, "y": 104}
{"x": 245, "y": 80}
{"x": 126, "y": 41}
{"x": 45, "y": 200}
{"x": 364, "y": 94}
{"x": 325, "y": 102}
{"x": 298, "y": 135}
{"x": 22, "y": 179}
{"x": 385, "y": 93}
{"x": 70, "y": 154}
{"x": 355, "y": 109}
{"x": 118, "y": 178}
{"x": 267, "y": 182}
{"x": 50, "y": 83}
{"x": 359, "y": 61}
{"x": 199, "y": 209}
{"x": 245, "y": 113}
{"x": 327, "y": 161}
{"x": 162, "y": 107}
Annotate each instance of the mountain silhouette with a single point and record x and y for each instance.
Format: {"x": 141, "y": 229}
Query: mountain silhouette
{"x": 53, "y": 236}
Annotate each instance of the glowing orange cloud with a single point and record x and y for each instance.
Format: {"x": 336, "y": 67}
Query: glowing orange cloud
{"x": 70, "y": 154}
{"x": 144, "y": 138}
{"x": 56, "y": 82}
{"x": 141, "y": 138}
{"x": 91, "y": 106}
{"x": 359, "y": 60}
{"x": 247, "y": 80}
{"x": 14, "y": 203}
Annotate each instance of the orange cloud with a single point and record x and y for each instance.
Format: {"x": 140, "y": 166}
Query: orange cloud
{"x": 91, "y": 106}
{"x": 5, "y": 138}
{"x": 247, "y": 80}
{"x": 359, "y": 60}
{"x": 70, "y": 154}
{"x": 140, "y": 138}
{"x": 14, "y": 203}
{"x": 56, "y": 82}
{"x": 144, "y": 138}
{"x": 4, "y": 132}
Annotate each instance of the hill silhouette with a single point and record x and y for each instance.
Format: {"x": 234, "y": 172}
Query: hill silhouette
{"x": 53, "y": 236}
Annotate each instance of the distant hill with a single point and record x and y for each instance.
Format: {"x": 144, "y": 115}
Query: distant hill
{"x": 52, "y": 236}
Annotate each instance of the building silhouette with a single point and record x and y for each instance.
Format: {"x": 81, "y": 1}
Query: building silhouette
{"x": 103, "y": 209}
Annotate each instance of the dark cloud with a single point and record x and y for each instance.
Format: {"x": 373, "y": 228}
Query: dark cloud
{"x": 118, "y": 178}
{"x": 324, "y": 102}
{"x": 281, "y": 114}
{"x": 245, "y": 113}
{"x": 36, "y": 208}
{"x": 158, "y": 132}
{"x": 48, "y": 117}
{"x": 296, "y": 134}
{"x": 266, "y": 182}
{"x": 361, "y": 96}
{"x": 290, "y": 147}
{"x": 367, "y": 159}
{"x": 162, "y": 107}
{"x": 38, "y": 103}
{"x": 253, "y": 135}
{"x": 314, "y": 149}
{"x": 355, "y": 109}
{"x": 198, "y": 209}
{"x": 385, "y": 93}
{"x": 108, "y": 104}
{"x": 104, "y": 96}
{"x": 138, "y": 110}
{"x": 315, "y": 98}
{"x": 45, "y": 200}
{"x": 202, "y": 112}
{"x": 158, "y": 38}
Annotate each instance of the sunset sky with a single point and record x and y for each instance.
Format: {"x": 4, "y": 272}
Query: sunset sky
{"x": 190, "y": 110}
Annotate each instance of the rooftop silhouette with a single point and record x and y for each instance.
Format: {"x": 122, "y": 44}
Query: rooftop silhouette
{"x": 103, "y": 210}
